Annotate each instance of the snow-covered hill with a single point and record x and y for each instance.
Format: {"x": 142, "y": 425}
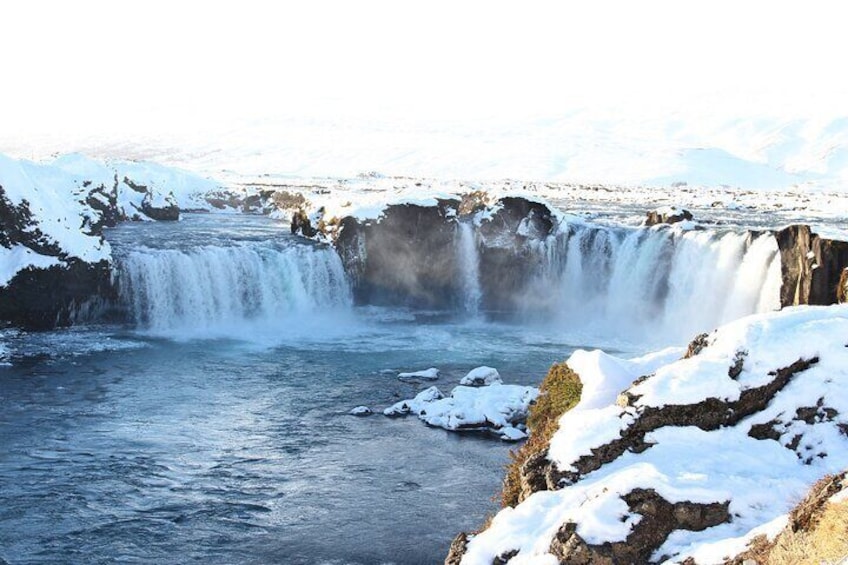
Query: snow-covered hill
{"x": 653, "y": 148}
{"x": 694, "y": 459}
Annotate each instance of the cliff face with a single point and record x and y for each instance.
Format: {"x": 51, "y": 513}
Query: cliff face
{"x": 53, "y": 257}
{"x": 686, "y": 460}
{"x": 812, "y": 266}
{"x": 412, "y": 255}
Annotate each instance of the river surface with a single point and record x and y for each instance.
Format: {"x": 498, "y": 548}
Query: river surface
{"x": 218, "y": 431}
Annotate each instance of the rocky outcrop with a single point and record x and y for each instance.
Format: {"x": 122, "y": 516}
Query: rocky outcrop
{"x": 623, "y": 483}
{"x": 410, "y": 255}
{"x": 669, "y": 215}
{"x": 41, "y": 299}
{"x": 812, "y": 266}
{"x": 53, "y": 256}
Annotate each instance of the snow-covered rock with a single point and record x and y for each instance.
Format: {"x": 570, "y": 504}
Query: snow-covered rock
{"x": 414, "y": 405}
{"x": 430, "y": 374}
{"x": 501, "y": 409}
{"x": 696, "y": 457}
{"x": 361, "y": 411}
{"x": 481, "y": 376}
{"x": 53, "y": 256}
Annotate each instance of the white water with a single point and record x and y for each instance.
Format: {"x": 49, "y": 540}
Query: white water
{"x": 468, "y": 260}
{"x": 220, "y": 287}
{"x": 656, "y": 283}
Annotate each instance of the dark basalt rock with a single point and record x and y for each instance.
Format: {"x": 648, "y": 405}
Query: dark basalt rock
{"x": 41, "y": 299}
{"x": 104, "y": 201}
{"x": 409, "y": 256}
{"x": 170, "y": 212}
{"x": 812, "y": 267}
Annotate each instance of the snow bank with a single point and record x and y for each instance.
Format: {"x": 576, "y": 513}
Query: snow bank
{"x": 761, "y": 475}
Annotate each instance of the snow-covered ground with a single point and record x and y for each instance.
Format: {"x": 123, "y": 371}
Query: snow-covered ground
{"x": 55, "y": 195}
{"x": 761, "y": 478}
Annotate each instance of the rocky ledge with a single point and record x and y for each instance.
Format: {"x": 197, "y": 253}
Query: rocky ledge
{"x": 412, "y": 253}
{"x": 53, "y": 256}
{"x": 690, "y": 460}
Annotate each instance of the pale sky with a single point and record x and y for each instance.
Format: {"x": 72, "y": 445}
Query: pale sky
{"x": 129, "y": 69}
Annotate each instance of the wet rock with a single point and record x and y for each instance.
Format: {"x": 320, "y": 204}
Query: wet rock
{"x": 812, "y": 267}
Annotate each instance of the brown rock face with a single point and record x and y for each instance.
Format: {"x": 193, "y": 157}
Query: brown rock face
{"x": 410, "y": 257}
{"x": 659, "y": 519}
{"x": 655, "y": 217}
{"x": 812, "y": 266}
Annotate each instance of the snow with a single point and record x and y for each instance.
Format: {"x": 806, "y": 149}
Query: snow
{"x": 55, "y": 193}
{"x": 430, "y": 374}
{"x": 19, "y": 258}
{"x": 596, "y": 419}
{"x": 4, "y": 355}
{"x": 498, "y": 408}
{"x": 54, "y": 208}
{"x": 361, "y": 411}
{"x": 471, "y": 408}
{"x": 414, "y": 405}
{"x": 761, "y": 479}
{"x": 481, "y": 376}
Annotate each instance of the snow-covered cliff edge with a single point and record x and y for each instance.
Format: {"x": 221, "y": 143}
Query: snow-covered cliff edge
{"x": 691, "y": 461}
{"x": 53, "y": 256}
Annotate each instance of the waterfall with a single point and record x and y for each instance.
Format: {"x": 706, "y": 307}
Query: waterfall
{"x": 468, "y": 260}
{"x": 659, "y": 282}
{"x": 223, "y": 286}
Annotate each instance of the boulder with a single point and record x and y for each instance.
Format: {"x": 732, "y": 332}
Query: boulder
{"x": 481, "y": 376}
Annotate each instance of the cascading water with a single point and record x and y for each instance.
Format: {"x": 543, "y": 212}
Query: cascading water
{"x": 224, "y": 286}
{"x": 662, "y": 281}
{"x": 468, "y": 260}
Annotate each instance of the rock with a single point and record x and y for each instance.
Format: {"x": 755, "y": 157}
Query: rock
{"x": 161, "y": 210}
{"x": 41, "y": 299}
{"x": 509, "y": 433}
{"x": 507, "y": 256}
{"x": 407, "y": 257}
{"x": 361, "y": 411}
{"x": 501, "y": 409}
{"x": 812, "y": 266}
{"x": 481, "y": 376}
{"x": 667, "y": 215}
{"x": 457, "y": 550}
{"x": 842, "y": 287}
{"x": 430, "y": 374}
{"x": 410, "y": 256}
{"x": 414, "y": 405}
